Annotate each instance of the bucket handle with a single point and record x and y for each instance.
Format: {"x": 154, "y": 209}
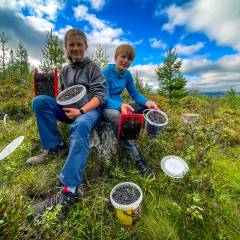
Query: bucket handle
{"x": 145, "y": 113}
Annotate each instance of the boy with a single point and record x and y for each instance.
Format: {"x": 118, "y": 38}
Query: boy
{"x": 82, "y": 120}
{"x": 117, "y": 79}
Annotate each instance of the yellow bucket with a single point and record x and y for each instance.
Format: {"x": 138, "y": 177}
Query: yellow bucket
{"x": 127, "y": 214}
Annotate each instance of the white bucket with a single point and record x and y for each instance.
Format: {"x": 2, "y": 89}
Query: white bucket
{"x": 76, "y": 101}
{"x": 129, "y": 212}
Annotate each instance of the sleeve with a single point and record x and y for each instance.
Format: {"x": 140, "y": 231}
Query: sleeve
{"x": 110, "y": 103}
{"x": 134, "y": 93}
{"x": 60, "y": 82}
{"x": 98, "y": 84}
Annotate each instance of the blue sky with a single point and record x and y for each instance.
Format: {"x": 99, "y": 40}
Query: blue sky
{"x": 205, "y": 33}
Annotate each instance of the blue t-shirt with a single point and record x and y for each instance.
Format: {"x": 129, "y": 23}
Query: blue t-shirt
{"x": 115, "y": 84}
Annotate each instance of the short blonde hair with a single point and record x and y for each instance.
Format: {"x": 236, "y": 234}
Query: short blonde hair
{"x": 74, "y": 32}
{"x": 125, "y": 49}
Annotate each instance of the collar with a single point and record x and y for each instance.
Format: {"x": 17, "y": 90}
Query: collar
{"x": 120, "y": 75}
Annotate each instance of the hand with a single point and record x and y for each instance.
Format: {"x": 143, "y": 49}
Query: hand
{"x": 125, "y": 107}
{"x": 151, "y": 104}
{"x": 72, "y": 113}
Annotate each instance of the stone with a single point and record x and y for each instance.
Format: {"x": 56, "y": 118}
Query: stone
{"x": 104, "y": 140}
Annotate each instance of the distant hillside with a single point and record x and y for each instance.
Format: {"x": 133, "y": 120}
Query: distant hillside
{"x": 215, "y": 94}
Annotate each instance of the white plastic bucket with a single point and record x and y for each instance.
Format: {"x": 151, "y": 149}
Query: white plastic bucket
{"x": 77, "y": 101}
{"x": 128, "y": 213}
{"x": 152, "y": 128}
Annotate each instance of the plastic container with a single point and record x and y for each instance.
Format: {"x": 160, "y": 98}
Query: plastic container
{"x": 190, "y": 118}
{"x": 153, "y": 128}
{"x": 76, "y": 101}
{"x": 129, "y": 125}
{"x": 128, "y": 213}
{"x": 174, "y": 166}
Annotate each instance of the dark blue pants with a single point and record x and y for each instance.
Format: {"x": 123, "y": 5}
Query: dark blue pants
{"x": 47, "y": 112}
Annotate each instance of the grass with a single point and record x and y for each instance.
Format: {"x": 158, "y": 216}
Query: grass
{"x": 205, "y": 204}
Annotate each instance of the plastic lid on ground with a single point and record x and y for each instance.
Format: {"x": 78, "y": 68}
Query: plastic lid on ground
{"x": 174, "y": 166}
{"x": 11, "y": 147}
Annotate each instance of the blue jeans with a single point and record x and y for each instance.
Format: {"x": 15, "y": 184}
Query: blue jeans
{"x": 47, "y": 112}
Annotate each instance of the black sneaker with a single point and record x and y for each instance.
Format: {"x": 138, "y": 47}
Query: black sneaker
{"x": 143, "y": 168}
{"x": 65, "y": 199}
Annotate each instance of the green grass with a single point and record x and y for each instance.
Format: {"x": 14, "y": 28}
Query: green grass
{"x": 205, "y": 204}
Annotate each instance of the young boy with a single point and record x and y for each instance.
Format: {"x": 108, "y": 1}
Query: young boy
{"x": 80, "y": 70}
{"x": 117, "y": 79}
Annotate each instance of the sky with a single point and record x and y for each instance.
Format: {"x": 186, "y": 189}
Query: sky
{"x": 205, "y": 33}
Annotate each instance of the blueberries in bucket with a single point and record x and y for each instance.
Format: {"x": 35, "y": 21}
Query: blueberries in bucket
{"x": 126, "y": 194}
{"x": 72, "y": 92}
{"x": 156, "y": 117}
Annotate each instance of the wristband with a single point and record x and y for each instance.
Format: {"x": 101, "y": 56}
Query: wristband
{"x": 81, "y": 111}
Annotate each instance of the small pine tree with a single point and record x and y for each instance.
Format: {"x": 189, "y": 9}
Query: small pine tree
{"x": 52, "y": 53}
{"x": 3, "y": 56}
{"x": 230, "y": 96}
{"x": 10, "y": 71}
{"x": 100, "y": 57}
{"x": 22, "y": 64}
{"x": 169, "y": 76}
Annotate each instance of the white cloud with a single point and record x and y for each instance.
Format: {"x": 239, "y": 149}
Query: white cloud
{"x": 30, "y": 30}
{"x": 201, "y": 73}
{"x": 81, "y": 13}
{"x": 146, "y": 73}
{"x": 155, "y": 43}
{"x": 97, "y": 4}
{"x": 37, "y": 8}
{"x": 101, "y": 33}
{"x": 218, "y": 19}
{"x": 210, "y": 75}
{"x": 41, "y": 24}
{"x": 190, "y": 49}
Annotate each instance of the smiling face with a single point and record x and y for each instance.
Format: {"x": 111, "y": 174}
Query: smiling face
{"x": 75, "y": 48}
{"x": 122, "y": 62}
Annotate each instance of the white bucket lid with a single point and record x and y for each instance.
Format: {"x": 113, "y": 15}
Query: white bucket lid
{"x": 146, "y": 116}
{"x": 11, "y": 147}
{"x": 75, "y": 98}
{"x": 133, "y": 205}
{"x": 174, "y": 166}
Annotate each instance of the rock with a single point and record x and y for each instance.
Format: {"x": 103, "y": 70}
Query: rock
{"x": 104, "y": 140}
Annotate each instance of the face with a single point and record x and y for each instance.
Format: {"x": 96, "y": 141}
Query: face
{"x": 122, "y": 62}
{"x": 75, "y": 48}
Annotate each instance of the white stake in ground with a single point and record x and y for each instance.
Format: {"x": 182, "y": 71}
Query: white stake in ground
{"x": 5, "y": 120}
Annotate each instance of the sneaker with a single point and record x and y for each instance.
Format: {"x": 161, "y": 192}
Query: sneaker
{"x": 143, "y": 167}
{"x": 42, "y": 158}
{"x": 65, "y": 199}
